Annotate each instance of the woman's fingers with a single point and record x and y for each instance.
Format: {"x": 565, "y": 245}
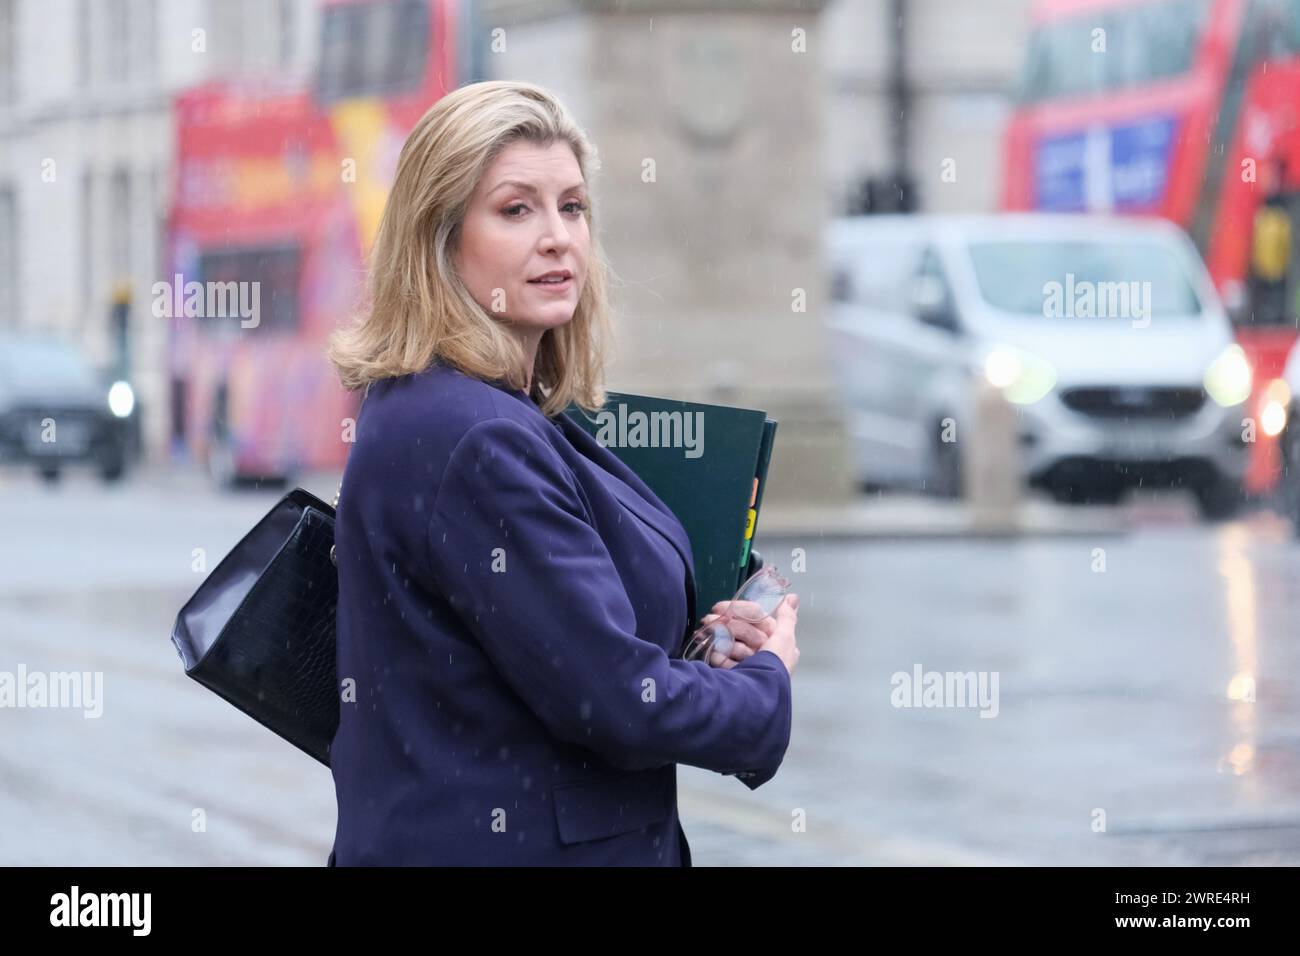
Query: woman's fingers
{"x": 751, "y": 635}
{"x": 743, "y": 632}
{"x": 730, "y": 653}
{"x": 749, "y": 610}
{"x": 747, "y": 629}
{"x": 740, "y": 651}
{"x": 748, "y": 618}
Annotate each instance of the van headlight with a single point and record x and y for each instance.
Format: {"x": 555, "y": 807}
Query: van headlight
{"x": 1023, "y": 377}
{"x": 121, "y": 399}
{"x": 1228, "y": 379}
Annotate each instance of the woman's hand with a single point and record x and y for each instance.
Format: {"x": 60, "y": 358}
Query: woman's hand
{"x": 748, "y": 625}
{"x": 753, "y": 632}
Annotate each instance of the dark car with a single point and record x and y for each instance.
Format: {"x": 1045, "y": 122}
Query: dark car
{"x": 57, "y": 411}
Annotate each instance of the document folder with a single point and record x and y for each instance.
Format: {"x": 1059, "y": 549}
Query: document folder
{"x": 708, "y": 463}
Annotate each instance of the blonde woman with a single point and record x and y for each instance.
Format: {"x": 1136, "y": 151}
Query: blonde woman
{"x": 512, "y": 598}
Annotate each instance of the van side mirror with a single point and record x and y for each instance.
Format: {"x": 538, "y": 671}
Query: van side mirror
{"x": 931, "y": 303}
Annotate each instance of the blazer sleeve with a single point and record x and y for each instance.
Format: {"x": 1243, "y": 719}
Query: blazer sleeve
{"x": 512, "y": 548}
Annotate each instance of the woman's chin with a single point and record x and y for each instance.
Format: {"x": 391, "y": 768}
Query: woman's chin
{"x": 550, "y": 319}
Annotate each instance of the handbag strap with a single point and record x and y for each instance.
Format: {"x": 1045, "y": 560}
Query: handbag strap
{"x": 334, "y": 558}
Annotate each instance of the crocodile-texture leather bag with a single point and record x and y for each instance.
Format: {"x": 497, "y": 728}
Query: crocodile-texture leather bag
{"x": 259, "y": 631}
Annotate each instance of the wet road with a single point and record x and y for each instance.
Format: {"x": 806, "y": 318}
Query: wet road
{"x": 1145, "y": 711}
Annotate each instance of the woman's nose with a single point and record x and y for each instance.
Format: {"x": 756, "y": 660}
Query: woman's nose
{"x": 557, "y": 233}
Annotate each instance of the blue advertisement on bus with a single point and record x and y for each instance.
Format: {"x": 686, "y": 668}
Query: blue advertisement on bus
{"x": 1105, "y": 167}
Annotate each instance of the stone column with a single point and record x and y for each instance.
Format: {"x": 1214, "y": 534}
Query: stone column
{"x": 707, "y": 116}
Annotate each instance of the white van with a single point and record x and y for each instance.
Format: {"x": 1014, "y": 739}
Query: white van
{"x": 1104, "y": 334}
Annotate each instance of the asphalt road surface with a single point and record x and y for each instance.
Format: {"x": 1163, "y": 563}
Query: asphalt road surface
{"x": 1139, "y": 698}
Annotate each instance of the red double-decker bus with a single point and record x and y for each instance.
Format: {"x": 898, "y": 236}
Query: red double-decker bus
{"x": 276, "y": 198}
{"x": 1185, "y": 109}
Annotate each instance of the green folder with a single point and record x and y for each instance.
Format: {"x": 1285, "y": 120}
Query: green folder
{"x": 707, "y": 463}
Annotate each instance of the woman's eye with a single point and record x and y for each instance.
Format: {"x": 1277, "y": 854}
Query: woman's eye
{"x": 575, "y": 206}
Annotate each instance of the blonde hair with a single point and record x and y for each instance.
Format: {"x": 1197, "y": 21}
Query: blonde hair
{"x": 417, "y": 311}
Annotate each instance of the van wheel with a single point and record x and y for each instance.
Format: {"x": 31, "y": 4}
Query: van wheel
{"x": 111, "y": 467}
{"x": 1218, "y": 499}
{"x": 1288, "y": 488}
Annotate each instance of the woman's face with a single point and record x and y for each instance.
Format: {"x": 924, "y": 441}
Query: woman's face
{"x": 526, "y": 219}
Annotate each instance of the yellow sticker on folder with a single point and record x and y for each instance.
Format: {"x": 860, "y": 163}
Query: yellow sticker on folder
{"x": 750, "y": 520}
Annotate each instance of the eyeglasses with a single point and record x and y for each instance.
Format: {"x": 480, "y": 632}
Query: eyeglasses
{"x": 767, "y": 588}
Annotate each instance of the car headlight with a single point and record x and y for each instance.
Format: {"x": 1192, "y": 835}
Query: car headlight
{"x": 1023, "y": 377}
{"x": 1228, "y": 379}
{"x": 1273, "y": 414}
{"x": 121, "y": 399}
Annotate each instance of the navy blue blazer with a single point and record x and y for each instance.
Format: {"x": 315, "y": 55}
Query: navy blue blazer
{"x": 512, "y": 602}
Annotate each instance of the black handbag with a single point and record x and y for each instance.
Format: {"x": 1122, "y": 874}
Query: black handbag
{"x": 259, "y": 631}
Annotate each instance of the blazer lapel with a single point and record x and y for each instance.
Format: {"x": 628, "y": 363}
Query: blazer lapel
{"x": 630, "y": 489}
{"x": 638, "y": 497}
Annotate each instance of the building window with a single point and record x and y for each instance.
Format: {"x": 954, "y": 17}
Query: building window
{"x": 119, "y": 219}
{"x": 145, "y": 30}
{"x": 8, "y": 257}
{"x": 87, "y": 247}
{"x": 288, "y": 25}
{"x": 8, "y": 52}
{"x": 227, "y": 18}
{"x": 117, "y": 51}
{"x": 84, "y": 34}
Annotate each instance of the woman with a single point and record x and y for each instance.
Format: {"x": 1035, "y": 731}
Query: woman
{"x": 511, "y": 596}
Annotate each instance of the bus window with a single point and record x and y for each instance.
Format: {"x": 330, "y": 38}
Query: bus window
{"x": 1060, "y": 62}
{"x": 276, "y": 272}
{"x": 1142, "y": 43}
{"x": 372, "y": 49}
{"x": 1155, "y": 42}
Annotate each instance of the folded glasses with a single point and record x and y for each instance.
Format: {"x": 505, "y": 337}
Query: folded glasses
{"x": 766, "y": 588}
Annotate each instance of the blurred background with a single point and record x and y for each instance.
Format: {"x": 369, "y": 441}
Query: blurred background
{"x": 1017, "y": 277}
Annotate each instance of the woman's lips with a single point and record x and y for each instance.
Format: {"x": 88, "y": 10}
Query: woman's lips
{"x": 561, "y": 286}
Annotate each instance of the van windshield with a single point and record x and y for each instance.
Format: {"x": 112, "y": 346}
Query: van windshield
{"x": 1123, "y": 279}
{"x": 28, "y": 364}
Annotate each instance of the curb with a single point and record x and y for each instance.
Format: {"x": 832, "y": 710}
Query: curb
{"x": 896, "y": 517}
{"x": 913, "y": 518}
